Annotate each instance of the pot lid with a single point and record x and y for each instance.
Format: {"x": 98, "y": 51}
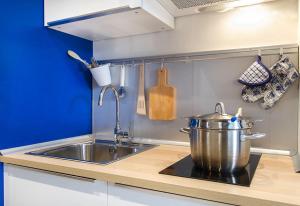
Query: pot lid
{"x": 215, "y": 116}
{"x": 219, "y": 114}
{"x": 220, "y": 120}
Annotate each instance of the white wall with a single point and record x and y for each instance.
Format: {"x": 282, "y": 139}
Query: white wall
{"x": 260, "y": 25}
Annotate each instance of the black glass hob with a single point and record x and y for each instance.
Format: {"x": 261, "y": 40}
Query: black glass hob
{"x": 186, "y": 168}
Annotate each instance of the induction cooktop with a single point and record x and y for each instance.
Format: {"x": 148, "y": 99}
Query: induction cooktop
{"x": 186, "y": 168}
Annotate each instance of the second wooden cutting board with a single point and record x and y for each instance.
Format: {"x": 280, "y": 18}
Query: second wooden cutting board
{"x": 162, "y": 98}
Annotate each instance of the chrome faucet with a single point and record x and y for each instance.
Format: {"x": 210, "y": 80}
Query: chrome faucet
{"x": 118, "y": 133}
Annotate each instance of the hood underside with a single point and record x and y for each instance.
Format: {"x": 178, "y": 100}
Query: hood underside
{"x": 189, "y": 7}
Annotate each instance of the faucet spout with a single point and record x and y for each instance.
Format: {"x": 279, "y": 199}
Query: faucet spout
{"x": 117, "y": 130}
{"x": 103, "y": 91}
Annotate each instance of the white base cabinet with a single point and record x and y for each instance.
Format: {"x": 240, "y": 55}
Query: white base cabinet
{"x": 30, "y": 187}
{"x": 121, "y": 195}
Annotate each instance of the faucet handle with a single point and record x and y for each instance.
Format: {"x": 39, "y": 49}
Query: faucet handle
{"x": 121, "y": 135}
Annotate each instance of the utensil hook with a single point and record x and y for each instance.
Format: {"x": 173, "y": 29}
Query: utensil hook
{"x": 144, "y": 63}
{"x": 220, "y": 108}
{"x": 281, "y": 52}
{"x": 162, "y": 64}
{"x": 259, "y": 52}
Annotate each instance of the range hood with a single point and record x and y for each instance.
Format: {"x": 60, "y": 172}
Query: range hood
{"x": 183, "y": 8}
{"x": 104, "y": 19}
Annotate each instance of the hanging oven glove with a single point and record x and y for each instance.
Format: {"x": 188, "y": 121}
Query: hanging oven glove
{"x": 253, "y": 94}
{"x": 256, "y": 75}
{"x": 284, "y": 74}
{"x": 255, "y": 78}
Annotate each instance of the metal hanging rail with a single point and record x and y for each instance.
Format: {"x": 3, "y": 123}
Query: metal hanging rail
{"x": 205, "y": 56}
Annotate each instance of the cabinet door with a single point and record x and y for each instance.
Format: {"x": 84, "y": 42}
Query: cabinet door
{"x": 119, "y": 195}
{"x": 29, "y": 187}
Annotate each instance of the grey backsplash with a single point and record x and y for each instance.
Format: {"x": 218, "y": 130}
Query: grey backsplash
{"x": 200, "y": 84}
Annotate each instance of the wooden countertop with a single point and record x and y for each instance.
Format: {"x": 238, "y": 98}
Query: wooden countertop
{"x": 275, "y": 182}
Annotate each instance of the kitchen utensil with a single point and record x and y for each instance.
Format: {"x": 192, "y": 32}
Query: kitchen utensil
{"x": 121, "y": 90}
{"x": 102, "y": 74}
{"x": 219, "y": 141}
{"x": 94, "y": 62}
{"x": 162, "y": 98}
{"x": 77, "y": 57}
{"x": 141, "y": 101}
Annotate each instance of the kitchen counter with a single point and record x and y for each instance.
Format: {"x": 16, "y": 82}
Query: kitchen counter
{"x": 274, "y": 183}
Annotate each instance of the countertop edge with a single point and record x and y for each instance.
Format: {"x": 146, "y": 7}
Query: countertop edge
{"x": 147, "y": 184}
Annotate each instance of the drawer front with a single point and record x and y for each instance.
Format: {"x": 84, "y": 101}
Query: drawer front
{"x": 120, "y": 195}
{"x": 30, "y": 187}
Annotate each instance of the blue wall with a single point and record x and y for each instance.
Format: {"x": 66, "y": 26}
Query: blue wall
{"x": 44, "y": 95}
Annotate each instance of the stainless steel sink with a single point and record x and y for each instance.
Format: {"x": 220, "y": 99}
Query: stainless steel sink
{"x": 100, "y": 152}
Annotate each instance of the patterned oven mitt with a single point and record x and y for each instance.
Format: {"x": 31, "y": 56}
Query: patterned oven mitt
{"x": 253, "y": 94}
{"x": 256, "y": 75}
{"x": 284, "y": 74}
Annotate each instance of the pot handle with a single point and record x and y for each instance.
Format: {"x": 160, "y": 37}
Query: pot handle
{"x": 185, "y": 130}
{"x": 253, "y": 136}
{"x": 258, "y": 120}
{"x": 220, "y": 108}
{"x": 252, "y": 123}
{"x": 255, "y": 121}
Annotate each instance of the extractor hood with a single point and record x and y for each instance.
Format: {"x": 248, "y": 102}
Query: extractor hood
{"x": 183, "y": 8}
{"x": 104, "y": 19}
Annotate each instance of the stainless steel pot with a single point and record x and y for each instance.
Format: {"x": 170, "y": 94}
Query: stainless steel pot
{"x": 219, "y": 141}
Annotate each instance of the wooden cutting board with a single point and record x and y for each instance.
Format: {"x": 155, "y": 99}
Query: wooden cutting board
{"x": 162, "y": 98}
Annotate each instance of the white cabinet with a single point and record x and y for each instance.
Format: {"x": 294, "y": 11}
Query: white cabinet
{"x": 104, "y": 19}
{"x": 29, "y": 187}
{"x": 120, "y": 195}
